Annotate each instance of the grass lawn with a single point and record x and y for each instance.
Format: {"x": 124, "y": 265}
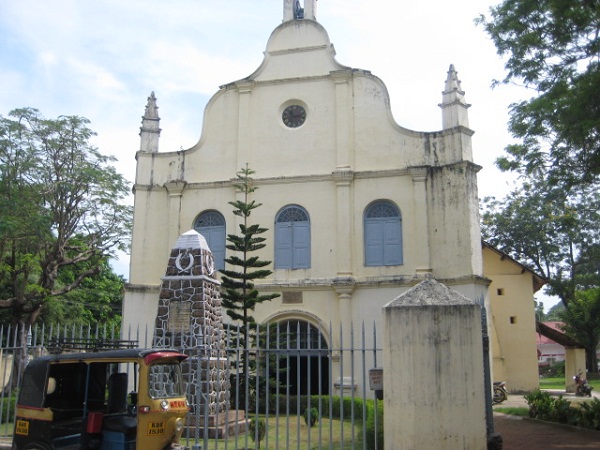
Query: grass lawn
{"x": 559, "y": 383}
{"x": 294, "y": 434}
{"x": 552, "y": 383}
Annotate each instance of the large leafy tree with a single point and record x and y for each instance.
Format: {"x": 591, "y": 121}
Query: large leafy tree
{"x": 63, "y": 212}
{"x": 553, "y": 48}
{"x": 97, "y": 302}
{"x": 553, "y": 231}
{"x": 581, "y": 320}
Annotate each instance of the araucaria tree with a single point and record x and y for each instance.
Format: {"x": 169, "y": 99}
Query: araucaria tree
{"x": 63, "y": 211}
{"x": 240, "y": 296}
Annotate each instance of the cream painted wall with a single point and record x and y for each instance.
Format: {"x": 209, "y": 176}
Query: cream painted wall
{"x": 349, "y": 153}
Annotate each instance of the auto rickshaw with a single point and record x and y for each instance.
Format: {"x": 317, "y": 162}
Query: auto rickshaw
{"x": 125, "y": 399}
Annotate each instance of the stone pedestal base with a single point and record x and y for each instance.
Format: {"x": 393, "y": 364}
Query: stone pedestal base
{"x": 217, "y": 426}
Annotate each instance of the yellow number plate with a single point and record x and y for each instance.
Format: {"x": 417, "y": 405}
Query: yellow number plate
{"x": 22, "y": 427}
{"x": 156, "y": 428}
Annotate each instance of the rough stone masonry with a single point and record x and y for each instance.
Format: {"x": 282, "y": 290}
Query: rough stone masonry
{"x": 189, "y": 319}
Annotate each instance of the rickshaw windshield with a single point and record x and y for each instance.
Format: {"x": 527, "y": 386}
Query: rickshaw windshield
{"x": 164, "y": 380}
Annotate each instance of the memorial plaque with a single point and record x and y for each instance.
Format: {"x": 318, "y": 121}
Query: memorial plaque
{"x": 179, "y": 316}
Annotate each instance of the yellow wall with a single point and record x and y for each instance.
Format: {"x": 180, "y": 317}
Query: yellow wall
{"x": 512, "y": 335}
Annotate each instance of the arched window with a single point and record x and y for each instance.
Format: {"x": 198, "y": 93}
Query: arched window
{"x": 211, "y": 225}
{"x": 383, "y": 234}
{"x": 292, "y": 238}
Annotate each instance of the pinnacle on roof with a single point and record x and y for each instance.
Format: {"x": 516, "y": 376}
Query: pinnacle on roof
{"x": 151, "y": 111}
{"x": 454, "y": 107}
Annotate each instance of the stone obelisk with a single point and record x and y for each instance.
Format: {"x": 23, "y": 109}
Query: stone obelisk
{"x": 189, "y": 319}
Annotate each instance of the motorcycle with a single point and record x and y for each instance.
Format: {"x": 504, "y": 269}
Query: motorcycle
{"x": 500, "y": 392}
{"x": 582, "y": 388}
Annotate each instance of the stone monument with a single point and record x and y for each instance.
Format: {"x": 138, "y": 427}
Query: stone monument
{"x": 189, "y": 319}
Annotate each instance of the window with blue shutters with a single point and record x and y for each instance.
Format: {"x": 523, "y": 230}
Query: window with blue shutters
{"x": 211, "y": 225}
{"x": 292, "y": 238}
{"x": 383, "y": 234}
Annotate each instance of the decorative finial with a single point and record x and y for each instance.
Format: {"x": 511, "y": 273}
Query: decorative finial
{"x": 454, "y": 107}
{"x": 150, "y": 130}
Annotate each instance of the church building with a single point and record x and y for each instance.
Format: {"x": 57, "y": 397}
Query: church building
{"x": 359, "y": 209}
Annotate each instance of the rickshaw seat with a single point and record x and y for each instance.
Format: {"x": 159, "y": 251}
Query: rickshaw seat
{"x": 117, "y": 393}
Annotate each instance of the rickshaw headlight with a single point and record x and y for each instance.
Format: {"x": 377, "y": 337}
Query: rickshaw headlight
{"x": 164, "y": 405}
{"x": 178, "y": 424}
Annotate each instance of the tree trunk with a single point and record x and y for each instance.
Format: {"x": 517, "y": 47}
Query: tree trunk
{"x": 591, "y": 359}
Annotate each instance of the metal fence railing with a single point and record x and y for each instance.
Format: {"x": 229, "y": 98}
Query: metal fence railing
{"x": 284, "y": 386}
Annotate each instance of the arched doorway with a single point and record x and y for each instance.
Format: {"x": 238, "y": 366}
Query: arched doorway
{"x": 302, "y": 356}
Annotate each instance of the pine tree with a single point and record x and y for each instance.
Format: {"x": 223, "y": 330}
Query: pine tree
{"x": 239, "y": 294}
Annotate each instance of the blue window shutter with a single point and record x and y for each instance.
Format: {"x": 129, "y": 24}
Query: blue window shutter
{"x": 211, "y": 225}
{"x": 373, "y": 243}
{"x": 301, "y": 245}
{"x": 392, "y": 242}
{"x": 217, "y": 246}
{"x": 215, "y": 238}
{"x": 283, "y": 245}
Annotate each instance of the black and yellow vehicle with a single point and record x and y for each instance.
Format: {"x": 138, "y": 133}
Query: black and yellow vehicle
{"x": 111, "y": 400}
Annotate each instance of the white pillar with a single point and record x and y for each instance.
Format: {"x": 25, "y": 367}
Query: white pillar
{"x": 288, "y": 10}
{"x": 433, "y": 377}
{"x": 310, "y": 9}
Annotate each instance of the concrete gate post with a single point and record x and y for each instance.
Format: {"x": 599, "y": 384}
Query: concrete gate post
{"x": 433, "y": 376}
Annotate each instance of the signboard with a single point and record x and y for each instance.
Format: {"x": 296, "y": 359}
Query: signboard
{"x": 376, "y": 379}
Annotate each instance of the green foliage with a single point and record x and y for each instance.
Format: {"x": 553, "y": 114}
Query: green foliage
{"x": 257, "y": 430}
{"x": 311, "y": 416}
{"x": 63, "y": 211}
{"x": 581, "y": 320}
{"x": 552, "y": 48}
{"x": 239, "y": 293}
{"x": 543, "y": 406}
{"x": 554, "y": 232}
{"x": 590, "y": 414}
{"x": 554, "y": 313}
{"x": 98, "y": 300}
{"x": 8, "y": 403}
{"x": 550, "y": 230}
{"x": 550, "y": 222}
{"x": 240, "y": 296}
{"x": 556, "y": 370}
{"x": 373, "y": 430}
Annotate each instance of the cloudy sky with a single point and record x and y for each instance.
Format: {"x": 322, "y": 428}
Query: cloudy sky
{"x": 101, "y": 59}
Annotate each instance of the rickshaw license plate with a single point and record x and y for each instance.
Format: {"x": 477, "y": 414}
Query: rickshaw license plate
{"x": 22, "y": 427}
{"x": 156, "y": 428}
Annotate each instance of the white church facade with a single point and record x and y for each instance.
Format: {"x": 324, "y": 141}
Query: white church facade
{"x": 359, "y": 209}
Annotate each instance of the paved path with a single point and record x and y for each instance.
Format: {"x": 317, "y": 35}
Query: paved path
{"x": 524, "y": 433}
{"x": 527, "y": 434}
